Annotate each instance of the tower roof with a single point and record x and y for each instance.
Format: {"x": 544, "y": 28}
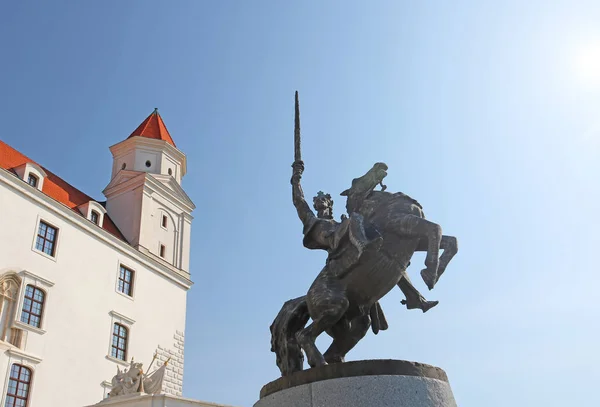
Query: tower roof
{"x": 153, "y": 127}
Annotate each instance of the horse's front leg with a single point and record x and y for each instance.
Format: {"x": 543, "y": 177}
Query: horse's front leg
{"x": 449, "y": 245}
{"x": 414, "y": 226}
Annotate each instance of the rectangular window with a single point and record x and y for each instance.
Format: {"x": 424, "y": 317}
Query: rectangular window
{"x": 46, "y": 238}
{"x": 17, "y": 394}
{"x": 95, "y": 217}
{"x": 33, "y": 305}
{"x": 162, "y": 250}
{"x": 119, "y": 342}
{"x": 32, "y": 180}
{"x": 126, "y": 281}
{"x": 164, "y": 221}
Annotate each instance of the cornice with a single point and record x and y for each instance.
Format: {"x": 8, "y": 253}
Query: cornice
{"x": 177, "y": 194}
{"x": 137, "y": 141}
{"x": 172, "y": 273}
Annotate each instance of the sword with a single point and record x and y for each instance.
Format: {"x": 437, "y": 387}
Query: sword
{"x": 297, "y": 152}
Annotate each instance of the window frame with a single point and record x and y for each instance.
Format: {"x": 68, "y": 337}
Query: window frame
{"x": 97, "y": 215}
{"x": 33, "y": 301}
{"x": 32, "y": 176}
{"x": 125, "y": 329}
{"x": 131, "y": 282}
{"x": 18, "y": 380}
{"x": 56, "y": 241}
{"x": 127, "y": 322}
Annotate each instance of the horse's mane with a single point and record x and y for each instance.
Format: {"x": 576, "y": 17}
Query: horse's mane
{"x": 408, "y": 198}
{"x": 400, "y": 195}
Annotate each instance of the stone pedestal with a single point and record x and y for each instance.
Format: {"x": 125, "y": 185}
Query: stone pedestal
{"x": 147, "y": 400}
{"x": 369, "y": 383}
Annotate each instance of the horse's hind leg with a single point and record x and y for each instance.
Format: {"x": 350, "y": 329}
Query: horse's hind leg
{"x": 345, "y": 337}
{"x": 327, "y": 305}
{"x": 414, "y": 226}
{"x": 449, "y": 245}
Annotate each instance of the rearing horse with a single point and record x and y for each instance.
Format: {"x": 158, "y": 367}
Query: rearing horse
{"x": 343, "y": 305}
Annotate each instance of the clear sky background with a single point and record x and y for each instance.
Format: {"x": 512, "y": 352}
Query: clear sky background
{"x": 487, "y": 113}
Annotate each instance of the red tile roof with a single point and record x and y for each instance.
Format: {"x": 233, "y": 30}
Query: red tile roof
{"x": 153, "y": 127}
{"x": 54, "y": 186}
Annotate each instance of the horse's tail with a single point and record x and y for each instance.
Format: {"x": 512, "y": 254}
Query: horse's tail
{"x": 290, "y": 320}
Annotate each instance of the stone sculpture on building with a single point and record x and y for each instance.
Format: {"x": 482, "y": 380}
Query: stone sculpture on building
{"x": 368, "y": 254}
{"x": 134, "y": 380}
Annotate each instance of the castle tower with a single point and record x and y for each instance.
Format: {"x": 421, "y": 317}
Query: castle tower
{"x": 145, "y": 198}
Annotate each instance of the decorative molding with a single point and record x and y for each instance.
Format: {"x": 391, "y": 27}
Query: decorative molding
{"x": 121, "y": 317}
{"x": 37, "y": 278}
{"x": 161, "y": 145}
{"x": 119, "y": 361}
{"x": 153, "y": 183}
{"x": 28, "y": 327}
{"x": 17, "y": 353}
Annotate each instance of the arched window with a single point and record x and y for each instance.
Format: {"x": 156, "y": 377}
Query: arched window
{"x": 9, "y": 291}
{"x": 33, "y": 306}
{"x": 18, "y": 386}
{"x": 119, "y": 342}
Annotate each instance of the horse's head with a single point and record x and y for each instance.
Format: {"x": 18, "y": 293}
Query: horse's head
{"x": 363, "y": 186}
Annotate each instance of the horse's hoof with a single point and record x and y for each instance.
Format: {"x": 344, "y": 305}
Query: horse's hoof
{"x": 316, "y": 361}
{"x": 428, "y": 278}
{"x": 331, "y": 359}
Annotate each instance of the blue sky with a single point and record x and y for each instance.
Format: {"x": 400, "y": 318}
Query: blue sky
{"x": 487, "y": 113}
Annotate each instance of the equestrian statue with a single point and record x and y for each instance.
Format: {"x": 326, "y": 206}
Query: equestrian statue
{"x": 368, "y": 254}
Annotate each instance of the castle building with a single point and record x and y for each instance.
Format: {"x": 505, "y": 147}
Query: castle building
{"x": 87, "y": 285}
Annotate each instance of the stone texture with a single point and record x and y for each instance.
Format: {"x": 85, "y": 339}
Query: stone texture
{"x": 174, "y": 375}
{"x": 368, "y": 383}
{"x": 365, "y": 391}
{"x": 376, "y": 367}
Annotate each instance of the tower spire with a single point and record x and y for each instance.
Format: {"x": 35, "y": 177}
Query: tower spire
{"x": 154, "y": 127}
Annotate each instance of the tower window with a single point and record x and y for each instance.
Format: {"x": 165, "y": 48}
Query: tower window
{"x": 126, "y": 281}
{"x": 33, "y": 305}
{"x": 148, "y": 163}
{"x": 119, "y": 342}
{"x": 46, "y": 239}
{"x": 165, "y": 221}
{"x": 17, "y": 394}
{"x": 123, "y": 166}
{"x": 162, "y": 250}
{"x": 95, "y": 216}
{"x": 170, "y": 171}
{"x": 33, "y": 180}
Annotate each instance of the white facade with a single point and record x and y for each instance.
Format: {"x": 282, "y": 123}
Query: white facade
{"x": 70, "y": 352}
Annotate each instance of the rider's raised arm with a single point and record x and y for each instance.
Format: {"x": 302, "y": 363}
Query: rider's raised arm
{"x": 304, "y": 212}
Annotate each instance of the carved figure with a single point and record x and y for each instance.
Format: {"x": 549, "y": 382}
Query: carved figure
{"x": 368, "y": 253}
{"x": 127, "y": 381}
{"x": 134, "y": 380}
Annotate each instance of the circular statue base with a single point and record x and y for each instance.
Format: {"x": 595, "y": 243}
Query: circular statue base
{"x": 367, "y": 383}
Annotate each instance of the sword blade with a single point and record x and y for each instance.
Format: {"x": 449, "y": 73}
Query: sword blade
{"x": 297, "y": 146}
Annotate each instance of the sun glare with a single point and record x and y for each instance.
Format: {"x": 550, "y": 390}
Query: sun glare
{"x": 587, "y": 64}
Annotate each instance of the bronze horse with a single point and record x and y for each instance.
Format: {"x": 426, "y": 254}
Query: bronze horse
{"x": 345, "y": 304}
